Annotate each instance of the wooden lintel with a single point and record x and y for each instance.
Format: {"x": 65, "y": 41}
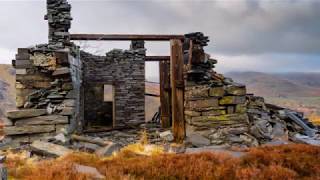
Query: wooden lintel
{"x": 165, "y": 94}
{"x": 124, "y": 37}
{"x": 177, "y": 78}
{"x": 157, "y": 58}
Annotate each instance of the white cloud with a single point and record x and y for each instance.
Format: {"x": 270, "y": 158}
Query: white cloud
{"x": 6, "y": 55}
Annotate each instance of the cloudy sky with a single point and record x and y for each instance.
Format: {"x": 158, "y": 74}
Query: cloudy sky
{"x": 246, "y": 35}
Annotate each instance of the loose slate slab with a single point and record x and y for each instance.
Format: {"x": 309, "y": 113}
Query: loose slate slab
{"x": 69, "y": 102}
{"x": 239, "y": 90}
{"x": 16, "y": 130}
{"x": 203, "y": 103}
{"x": 21, "y": 71}
{"x": 61, "y": 71}
{"x": 49, "y": 149}
{"x": 89, "y": 170}
{"x": 67, "y": 111}
{"x": 25, "y": 113}
{"x": 216, "y": 91}
{"x": 226, "y": 100}
{"x": 43, "y": 120}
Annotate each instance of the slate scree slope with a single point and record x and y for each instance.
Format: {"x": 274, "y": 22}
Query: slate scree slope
{"x": 61, "y": 89}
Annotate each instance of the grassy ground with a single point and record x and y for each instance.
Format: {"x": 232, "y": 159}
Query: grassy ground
{"x": 282, "y": 162}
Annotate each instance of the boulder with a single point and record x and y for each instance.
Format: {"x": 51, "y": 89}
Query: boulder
{"x": 261, "y": 129}
{"x": 61, "y": 71}
{"x": 167, "y": 136}
{"x": 241, "y": 108}
{"x": 202, "y": 103}
{"x": 196, "y": 92}
{"x": 197, "y": 140}
{"x": 43, "y": 120}
{"x": 21, "y": 71}
{"x": 61, "y": 138}
{"x": 88, "y": 147}
{"x": 226, "y": 100}
{"x": 174, "y": 148}
{"x": 95, "y": 174}
{"x": 49, "y": 149}
{"x": 25, "y": 113}
{"x": 217, "y": 112}
{"x": 108, "y": 150}
{"x": 226, "y": 117}
{"x": 67, "y": 111}
{"x": 306, "y": 139}
{"x": 238, "y": 90}
{"x": 216, "y": 91}
{"x": 16, "y": 130}
{"x": 44, "y": 61}
{"x": 192, "y": 113}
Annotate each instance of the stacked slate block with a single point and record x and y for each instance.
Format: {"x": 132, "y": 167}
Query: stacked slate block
{"x": 59, "y": 20}
{"x": 45, "y": 95}
{"x": 215, "y": 106}
{"x": 125, "y": 70}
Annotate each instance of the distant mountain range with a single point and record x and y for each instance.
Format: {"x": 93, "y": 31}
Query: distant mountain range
{"x": 279, "y": 84}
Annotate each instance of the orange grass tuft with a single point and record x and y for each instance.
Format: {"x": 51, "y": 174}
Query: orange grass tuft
{"x": 280, "y": 162}
{"x": 314, "y": 118}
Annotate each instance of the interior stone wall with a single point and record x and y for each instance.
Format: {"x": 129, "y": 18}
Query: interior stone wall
{"x": 125, "y": 70}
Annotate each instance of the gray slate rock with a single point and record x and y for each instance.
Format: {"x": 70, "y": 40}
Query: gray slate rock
{"x": 108, "y": 150}
{"x": 89, "y": 170}
{"x": 197, "y": 140}
{"x": 167, "y": 136}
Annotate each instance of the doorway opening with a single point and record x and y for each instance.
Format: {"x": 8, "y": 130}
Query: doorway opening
{"x": 99, "y": 105}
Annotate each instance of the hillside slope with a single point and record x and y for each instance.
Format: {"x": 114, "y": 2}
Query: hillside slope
{"x": 279, "y": 85}
{"x": 7, "y": 89}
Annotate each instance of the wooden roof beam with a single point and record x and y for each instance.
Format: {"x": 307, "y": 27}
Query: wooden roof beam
{"x": 124, "y": 37}
{"x": 157, "y": 58}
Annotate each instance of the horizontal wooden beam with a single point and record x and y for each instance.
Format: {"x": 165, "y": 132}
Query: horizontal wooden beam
{"x": 157, "y": 58}
{"x": 124, "y": 37}
{"x": 153, "y": 95}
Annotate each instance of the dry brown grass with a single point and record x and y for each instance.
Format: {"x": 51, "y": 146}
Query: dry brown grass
{"x": 315, "y": 118}
{"x": 281, "y": 162}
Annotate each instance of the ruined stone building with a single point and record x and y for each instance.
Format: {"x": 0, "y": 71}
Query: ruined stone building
{"x": 61, "y": 88}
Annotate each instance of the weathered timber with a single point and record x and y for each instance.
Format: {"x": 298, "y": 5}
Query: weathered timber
{"x": 157, "y": 58}
{"x": 124, "y": 37}
{"x": 152, "y": 95}
{"x": 16, "y": 130}
{"x": 165, "y": 98}
{"x": 50, "y": 149}
{"x": 43, "y": 120}
{"x": 190, "y": 55}
{"x": 177, "y": 83}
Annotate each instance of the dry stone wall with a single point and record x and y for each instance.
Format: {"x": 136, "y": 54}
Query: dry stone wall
{"x": 125, "y": 70}
{"x": 48, "y": 78}
{"x": 215, "y": 106}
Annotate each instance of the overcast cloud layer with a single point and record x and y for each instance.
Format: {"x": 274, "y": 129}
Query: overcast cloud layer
{"x": 270, "y": 36}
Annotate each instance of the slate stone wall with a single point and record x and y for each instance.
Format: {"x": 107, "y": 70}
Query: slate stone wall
{"x": 215, "y": 106}
{"x": 125, "y": 70}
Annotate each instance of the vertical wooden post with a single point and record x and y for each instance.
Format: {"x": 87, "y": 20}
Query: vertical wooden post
{"x": 165, "y": 98}
{"x": 177, "y": 92}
